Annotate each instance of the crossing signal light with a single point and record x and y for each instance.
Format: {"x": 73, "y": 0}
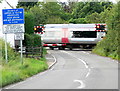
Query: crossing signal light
{"x": 100, "y": 27}
{"x": 35, "y": 29}
{"x": 38, "y": 29}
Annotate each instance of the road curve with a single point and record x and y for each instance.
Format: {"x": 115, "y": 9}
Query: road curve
{"x": 77, "y": 69}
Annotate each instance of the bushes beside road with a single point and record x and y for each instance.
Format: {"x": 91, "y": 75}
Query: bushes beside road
{"x": 110, "y": 46}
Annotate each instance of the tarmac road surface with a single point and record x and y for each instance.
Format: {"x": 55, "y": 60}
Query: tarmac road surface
{"x": 76, "y": 69}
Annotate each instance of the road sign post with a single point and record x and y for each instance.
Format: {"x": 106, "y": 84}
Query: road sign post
{"x": 6, "y": 54}
{"x": 13, "y": 22}
{"x": 21, "y": 51}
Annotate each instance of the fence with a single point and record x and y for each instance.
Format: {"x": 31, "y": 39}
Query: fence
{"x": 31, "y": 52}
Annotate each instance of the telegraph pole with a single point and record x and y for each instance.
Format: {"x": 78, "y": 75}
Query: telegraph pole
{"x": 9, "y": 4}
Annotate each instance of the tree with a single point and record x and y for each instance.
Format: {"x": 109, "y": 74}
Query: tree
{"x": 31, "y": 39}
{"x": 29, "y": 23}
{"x": 69, "y": 6}
{"x": 52, "y": 9}
{"x": 104, "y": 15}
{"x": 49, "y": 12}
{"x": 78, "y": 21}
{"x": 93, "y": 18}
{"x": 40, "y": 15}
{"x": 111, "y": 45}
{"x": 84, "y": 9}
{"x": 76, "y": 11}
{"x": 114, "y": 29}
{"x": 55, "y": 20}
{"x": 26, "y": 5}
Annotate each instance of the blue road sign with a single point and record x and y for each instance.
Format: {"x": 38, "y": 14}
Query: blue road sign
{"x": 13, "y": 16}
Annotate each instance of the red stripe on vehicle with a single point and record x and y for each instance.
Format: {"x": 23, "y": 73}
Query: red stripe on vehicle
{"x": 65, "y": 40}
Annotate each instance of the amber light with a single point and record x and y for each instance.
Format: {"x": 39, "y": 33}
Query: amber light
{"x": 98, "y": 26}
{"x": 35, "y": 28}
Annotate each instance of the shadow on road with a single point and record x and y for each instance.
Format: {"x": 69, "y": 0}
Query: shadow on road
{"x": 75, "y": 49}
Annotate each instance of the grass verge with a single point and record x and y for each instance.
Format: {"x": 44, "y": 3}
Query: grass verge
{"x": 14, "y": 71}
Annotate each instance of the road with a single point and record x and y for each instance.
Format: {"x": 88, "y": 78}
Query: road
{"x": 76, "y": 69}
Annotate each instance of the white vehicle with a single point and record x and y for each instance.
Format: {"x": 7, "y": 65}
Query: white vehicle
{"x": 72, "y": 35}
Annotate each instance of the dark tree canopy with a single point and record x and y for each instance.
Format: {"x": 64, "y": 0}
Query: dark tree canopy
{"x": 83, "y": 9}
{"x": 22, "y": 3}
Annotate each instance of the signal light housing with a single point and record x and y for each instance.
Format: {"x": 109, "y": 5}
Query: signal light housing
{"x": 100, "y": 27}
{"x": 39, "y": 29}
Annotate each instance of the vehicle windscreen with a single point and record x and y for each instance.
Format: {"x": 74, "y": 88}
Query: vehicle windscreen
{"x": 84, "y": 34}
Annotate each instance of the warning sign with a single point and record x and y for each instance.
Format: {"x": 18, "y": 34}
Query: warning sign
{"x": 13, "y": 21}
{"x": 13, "y": 28}
{"x": 13, "y": 16}
{"x": 19, "y": 36}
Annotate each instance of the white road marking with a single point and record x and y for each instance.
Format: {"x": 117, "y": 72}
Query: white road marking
{"x": 86, "y": 65}
{"x": 88, "y": 73}
{"x": 82, "y": 85}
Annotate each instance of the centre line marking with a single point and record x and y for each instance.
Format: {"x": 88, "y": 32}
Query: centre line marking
{"x": 86, "y": 65}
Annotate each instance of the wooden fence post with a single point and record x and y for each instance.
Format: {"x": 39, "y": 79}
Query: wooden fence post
{"x": 41, "y": 51}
